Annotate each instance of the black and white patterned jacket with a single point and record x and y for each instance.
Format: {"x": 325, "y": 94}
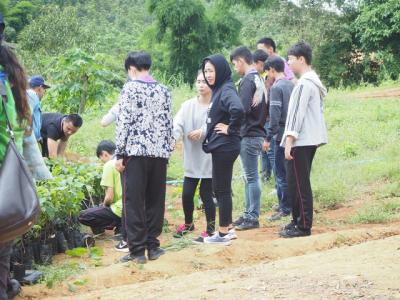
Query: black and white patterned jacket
{"x": 144, "y": 124}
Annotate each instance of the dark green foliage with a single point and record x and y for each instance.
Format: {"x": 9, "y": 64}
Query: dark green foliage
{"x": 80, "y": 80}
{"x": 190, "y": 34}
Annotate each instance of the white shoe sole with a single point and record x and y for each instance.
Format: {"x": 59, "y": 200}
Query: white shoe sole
{"x": 124, "y": 250}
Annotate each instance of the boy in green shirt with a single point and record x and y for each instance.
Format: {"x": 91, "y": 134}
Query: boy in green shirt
{"x": 108, "y": 215}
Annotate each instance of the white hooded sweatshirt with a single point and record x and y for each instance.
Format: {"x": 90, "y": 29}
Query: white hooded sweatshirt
{"x": 305, "y": 120}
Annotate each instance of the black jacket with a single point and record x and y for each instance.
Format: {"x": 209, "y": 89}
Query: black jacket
{"x": 225, "y": 107}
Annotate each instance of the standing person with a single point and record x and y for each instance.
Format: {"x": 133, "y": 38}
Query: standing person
{"x": 267, "y": 157}
{"x": 35, "y": 94}
{"x": 251, "y": 93}
{"x": 222, "y": 139}
{"x": 279, "y": 102}
{"x": 144, "y": 141}
{"x": 190, "y": 125}
{"x": 13, "y": 92}
{"x": 268, "y": 45}
{"x": 56, "y": 131}
{"x": 305, "y": 131}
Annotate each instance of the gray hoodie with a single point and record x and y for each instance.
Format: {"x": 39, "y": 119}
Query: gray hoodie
{"x": 305, "y": 120}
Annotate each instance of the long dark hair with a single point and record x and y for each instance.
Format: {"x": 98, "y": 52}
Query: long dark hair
{"x": 17, "y": 78}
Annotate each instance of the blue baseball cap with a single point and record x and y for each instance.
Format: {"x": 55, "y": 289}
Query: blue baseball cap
{"x": 38, "y": 80}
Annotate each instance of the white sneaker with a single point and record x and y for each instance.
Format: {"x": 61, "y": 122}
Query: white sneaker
{"x": 231, "y": 234}
{"x": 216, "y": 239}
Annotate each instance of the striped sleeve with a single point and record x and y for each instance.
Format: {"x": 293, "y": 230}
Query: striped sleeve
{"x": 297, "y": 110}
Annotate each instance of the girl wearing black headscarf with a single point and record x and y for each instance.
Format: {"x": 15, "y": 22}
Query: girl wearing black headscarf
{"x": 222, "y": 139}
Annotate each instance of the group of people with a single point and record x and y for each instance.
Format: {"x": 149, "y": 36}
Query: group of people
{"x": 271, "y": 112}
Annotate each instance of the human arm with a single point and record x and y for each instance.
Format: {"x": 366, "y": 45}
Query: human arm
{"x": 52, "y": 146}
{"x": 62, "y": 145}
{"x": 110, "y": 117}
{"x": 275, "y": 112}
{"x": 109, "y": 196}
{"x": 232, "y": 104}
{"x": 124, "y": 119}
{"x": 297, "y": 110}
{"x": 179, "y": 124}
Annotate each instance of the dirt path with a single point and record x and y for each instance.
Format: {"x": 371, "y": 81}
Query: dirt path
{"x": 252, "y": 248}
{"x": 384, "y": 93}
{"x": 374, "y": 273}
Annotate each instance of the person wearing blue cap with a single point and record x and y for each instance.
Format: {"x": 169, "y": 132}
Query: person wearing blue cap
{"x": 35, "y": 94}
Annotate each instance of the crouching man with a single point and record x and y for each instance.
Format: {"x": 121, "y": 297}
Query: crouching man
{"x": 108, "y": 215}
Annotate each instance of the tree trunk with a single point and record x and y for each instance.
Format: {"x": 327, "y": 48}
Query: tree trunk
{"x": 82, "y": 104}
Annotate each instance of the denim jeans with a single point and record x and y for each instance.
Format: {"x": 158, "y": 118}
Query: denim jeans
{"x": 268, "y": 159}
{"x": 281, "y": 184}
{"x": 251, "y": 148}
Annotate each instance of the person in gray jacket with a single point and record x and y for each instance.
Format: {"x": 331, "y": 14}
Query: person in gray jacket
{"x": 305, "y": 131}
{"x": 190, "y": 125}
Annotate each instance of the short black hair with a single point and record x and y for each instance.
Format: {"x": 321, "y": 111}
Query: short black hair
{"x": 301, "y": 49}
{"x": 141, "y": 60}
{"x": 75, "y": 119}
{"x": 242, "y": 52}
{"x": 107, "y": 146}
{"x": 267, "y": 42}
{"x": 260, "y": 55}
{"x": 276, "y": 63}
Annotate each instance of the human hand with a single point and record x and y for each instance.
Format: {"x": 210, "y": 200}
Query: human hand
{"x": 195, "y": 135}
{"x": 288, "y": 147}
{"x": 221, "y": 128}
{"x": 265, "y": 146}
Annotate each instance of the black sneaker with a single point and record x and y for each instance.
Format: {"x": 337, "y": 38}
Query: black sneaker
{"x": 122, "y": 247}
{"x": 294, "y": 232}
{"x": 291, "y": 225}
{"x": 139, "y": 259}
{"x": 155, "y": 253}
{"x": 248, "y": 224}
{"x": 239, "y": 221}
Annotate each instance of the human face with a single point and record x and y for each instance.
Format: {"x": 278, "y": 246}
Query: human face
{"x": 271, "y": 73}
{"x": 239, "y": 66}
{"x": 201, "y": 85}
{"x": 40, "y": 91}
{"x": 209, "y": 73}
{"x": 259, "y": 65}
{"x": 296, "y": 64}
{"x": 105, "y": 156}
{"x": 69, "y": 129}
{"x": 265, "y": 48}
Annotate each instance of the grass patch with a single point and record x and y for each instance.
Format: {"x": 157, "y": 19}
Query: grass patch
{"x": 59, "y": 273}
{"x": 378, "y": 213}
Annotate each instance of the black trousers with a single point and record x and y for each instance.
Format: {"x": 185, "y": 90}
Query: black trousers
{"x": 299, "y": 185}
{"x": 189, "y": 189}
{"x": 144, "y": 201}
{"x": 5, "y": 253}
{"x": 99, "y": 218}
{"x": 45, "y": 148}
{"x": 222, "y": 183}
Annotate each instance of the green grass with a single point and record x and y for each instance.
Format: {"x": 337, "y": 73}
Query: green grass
{"x": 378, "y": 212}
{"x": 58, "y": 273}
{"x": 361, "y": 156}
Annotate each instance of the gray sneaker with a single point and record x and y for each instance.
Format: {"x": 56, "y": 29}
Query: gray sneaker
{"x": 275, "y": 207}
{"x": 216, "y": 239}
{"x": 277, "y": 216}
{"x": 231, "y": 234}
{"x": 248, "y": 224}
